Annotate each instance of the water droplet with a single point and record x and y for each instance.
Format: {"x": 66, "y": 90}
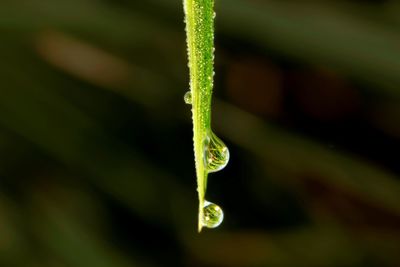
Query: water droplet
{"x": 212, "y": 215}
{"x": 216, "y": 153}
{"x": 188, "y": 97}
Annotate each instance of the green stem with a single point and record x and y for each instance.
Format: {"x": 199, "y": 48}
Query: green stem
{"x": 199, "y": 17}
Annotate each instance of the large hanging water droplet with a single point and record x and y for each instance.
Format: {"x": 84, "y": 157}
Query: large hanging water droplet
{"x": 216, "y": 153}
{"x": 212, "y": 215}
{"x": 188, "y": 97}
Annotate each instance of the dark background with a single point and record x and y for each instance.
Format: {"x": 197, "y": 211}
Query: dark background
{"x": 96, "y": 156}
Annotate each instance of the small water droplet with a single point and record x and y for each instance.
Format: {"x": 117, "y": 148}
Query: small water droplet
{"x": 212, "y": 215}
{"x": 216, "y": 153}
{"x": 188, "y": 97}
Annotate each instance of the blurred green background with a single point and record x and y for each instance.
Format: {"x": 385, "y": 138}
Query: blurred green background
{"x": 96, "y": 162}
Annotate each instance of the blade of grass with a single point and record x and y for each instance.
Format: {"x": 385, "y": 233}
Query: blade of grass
{"x": 199, "y": 17}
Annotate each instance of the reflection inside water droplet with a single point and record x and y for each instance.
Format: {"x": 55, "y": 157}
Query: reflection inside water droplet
{"x": 216, "y": 153}
{"x": 188, "y": 97}
{"x": 212, "y": 215}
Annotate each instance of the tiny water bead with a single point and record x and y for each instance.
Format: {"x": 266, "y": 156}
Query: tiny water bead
{"x": 188, "y": 97}
{"x": 216, "y": 153}
{"x": 212, "y": 215}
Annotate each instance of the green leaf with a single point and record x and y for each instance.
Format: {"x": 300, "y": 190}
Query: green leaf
{"x": 200, "y": 40}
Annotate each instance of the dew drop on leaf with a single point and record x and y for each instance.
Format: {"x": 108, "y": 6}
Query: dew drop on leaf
{"x": 212, "y": 215}
{"x": 216, "y": 153}
{"x": 188, "y": 97}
